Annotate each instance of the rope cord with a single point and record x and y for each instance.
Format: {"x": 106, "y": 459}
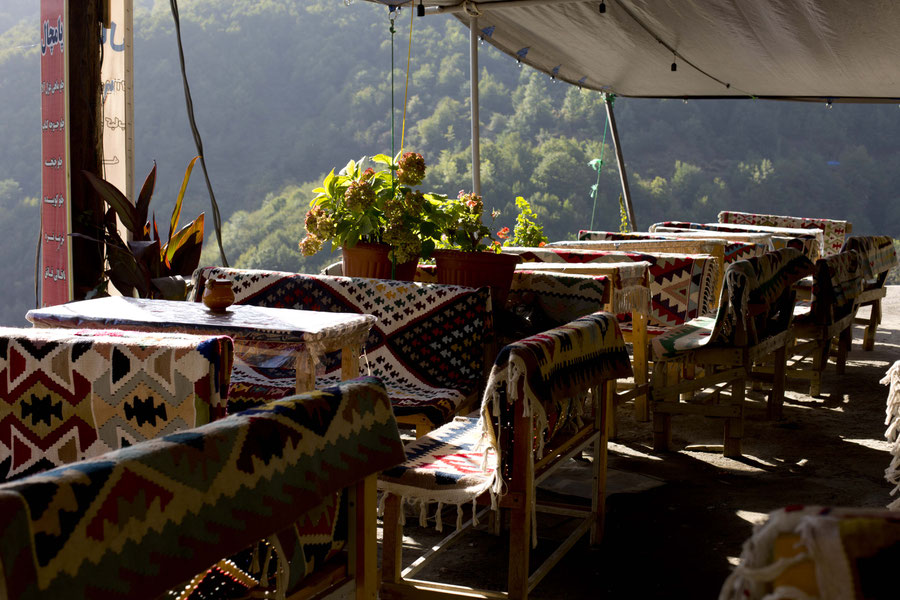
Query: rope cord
{"x": 391, "y": 16}
{"x": 406, "y": 88}
{"x": 217, "y": 219}
{"x": 597, "y": 163}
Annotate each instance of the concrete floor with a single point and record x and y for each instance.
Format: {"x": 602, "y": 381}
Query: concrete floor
{"x": 676, "y": 521}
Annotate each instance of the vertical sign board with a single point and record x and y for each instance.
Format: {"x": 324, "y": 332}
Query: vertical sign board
{"x": 56, "y": 259}
{"x": 117, "y": 98}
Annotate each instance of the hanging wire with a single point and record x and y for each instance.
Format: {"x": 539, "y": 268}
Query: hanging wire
{"x": 391, "y": 16}
{"x": 597, "y": 164}
{"x": 406, "y": 87}
{"x": 217, "y": 219}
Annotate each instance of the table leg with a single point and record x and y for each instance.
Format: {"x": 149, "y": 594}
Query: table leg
{"x": 305, "y": 367}
{"x": 350, "y": 361}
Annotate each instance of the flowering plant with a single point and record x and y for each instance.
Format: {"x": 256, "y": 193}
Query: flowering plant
{"x": 362, "y": 204}
{"x": 464, "y": 228}
{"x": 527, "y": 231}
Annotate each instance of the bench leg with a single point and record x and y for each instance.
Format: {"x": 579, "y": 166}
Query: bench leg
{"x": 874, "y": 320}
{"x": 734, "y": 426}
{"x": 662, "y": 422}
{"x": 844, "y": 342}
{"x": 640, "y": 362}
{"x": 598, "y": 490}
{"x": 776, "y": 394}
{"x": 392, "y": 540}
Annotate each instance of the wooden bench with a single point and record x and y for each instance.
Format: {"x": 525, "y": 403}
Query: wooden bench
{"x": 532, "y": 421}
{"x": 751, "y": 326}
{"x": 834, "y": 231}
{"x": 826, "y": 312}
{"x": 137, "y": 522}
{"x": 877, "y": 256}
{"x": 431, "y": 345}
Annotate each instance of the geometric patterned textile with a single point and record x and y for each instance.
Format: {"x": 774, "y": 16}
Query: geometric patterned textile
{"x": 734, "y": 249}
{"x": 562, "y": 362}
{"x": 562, "y": 296}
{"x": 140, "y": 520}
{"x": 427, "y": 344}
{"x": 876, "y": 252}
{"x": 834, "y": 231}
{"x": 852, "y": 552}
{"x": 809, "y": 241}
{"x": 835, "y": 289}
{"x": 459, "y": 461}
{"x": 682, "y": 286}
{"x": 67, "y": 395}
{"x": 892, "y": 434}
{"x": 749, "y": 303}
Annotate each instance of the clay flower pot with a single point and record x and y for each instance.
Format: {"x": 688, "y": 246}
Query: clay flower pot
{"x": 373, "y": 260}
{"x": 478, "y": 269}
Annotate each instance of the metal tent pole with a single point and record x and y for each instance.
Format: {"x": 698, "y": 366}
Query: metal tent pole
{"x": 473, "y": 85}
{"x": 626, "y": 191}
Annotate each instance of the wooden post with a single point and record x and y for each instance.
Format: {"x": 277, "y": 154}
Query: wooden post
{"x": 626, "y": 191}
{"x": 84, "y": 130}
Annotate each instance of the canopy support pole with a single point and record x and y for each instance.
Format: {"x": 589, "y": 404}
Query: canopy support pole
{"x": 473, "y": 86}
{"x": 626, "y": 191}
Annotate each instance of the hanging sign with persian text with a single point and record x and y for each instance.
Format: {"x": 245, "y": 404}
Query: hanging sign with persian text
{"x": 56, "y": 259}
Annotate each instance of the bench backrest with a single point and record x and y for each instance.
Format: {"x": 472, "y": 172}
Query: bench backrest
{"x": 877, "y": 256}
{"x": 682, "y": 286}
{"x": 544, "y": 374}
{"x": 836, "y": 287}
{"x": 430, "y": 333}
{"x": 834, "y": 230}
{"x": 67, "y": 394}
{"x": 758, "y": 297}
{"x": 138, "y": 521}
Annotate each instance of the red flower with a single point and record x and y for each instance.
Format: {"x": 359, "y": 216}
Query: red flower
{"x": 503, "y": 233}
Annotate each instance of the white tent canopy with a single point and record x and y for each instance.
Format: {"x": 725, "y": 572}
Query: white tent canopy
{"x": 800, "y": 50}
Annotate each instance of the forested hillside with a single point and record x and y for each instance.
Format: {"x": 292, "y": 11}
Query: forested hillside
{"x": 284, "y": 91}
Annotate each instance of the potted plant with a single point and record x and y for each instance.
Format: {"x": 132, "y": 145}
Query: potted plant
{"x": 143, "y": 266}
{"x": 375, "y": 214}
{"x": 469, "y": 254}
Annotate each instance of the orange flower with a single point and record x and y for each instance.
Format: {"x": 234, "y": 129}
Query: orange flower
{"x": 503, "y": 233}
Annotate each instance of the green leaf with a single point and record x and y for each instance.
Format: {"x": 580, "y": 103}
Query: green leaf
{"x": 143, "y": 205}
{"x": 116, "y": 199}
{"x": 383, "y": 159}
{"x": 176, "y": 212}
{"x": 184, "y": 245}
{"x": 173, "y": 287}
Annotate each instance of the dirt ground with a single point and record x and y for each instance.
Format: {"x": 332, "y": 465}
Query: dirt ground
{"x": 676, "y": 521}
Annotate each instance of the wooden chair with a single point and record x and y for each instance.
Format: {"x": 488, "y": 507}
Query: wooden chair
{"x": 528, "y": 428}
{"x": 877, "y": 256}
{"x": 139, "y": 521}
{"x": 833, "y": 230}
{"x": 750, "y": 327}
{"x": 825, "y": 314}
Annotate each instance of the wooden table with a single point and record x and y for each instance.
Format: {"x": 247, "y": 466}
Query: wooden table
{"x": 306, "y": 334}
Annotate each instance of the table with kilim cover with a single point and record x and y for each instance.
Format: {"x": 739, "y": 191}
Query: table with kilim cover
{"x": 561, "y": 297}
{"x": 297, "y": 336}
{"x": 809, "y": 241}
{"x": 682, "y": 286}
{"x": 427, "y": 345}
{"x": 877, "y": 257}
{"x": 833, "y": 230}
{"x": 137, "y": 521}
{"x": 738, "y": 246}
{"x": 539, "y": 383}
{"x": 751, "y": 325}
{"x": 66, "y": 395}
{"x": 819, "y": 552}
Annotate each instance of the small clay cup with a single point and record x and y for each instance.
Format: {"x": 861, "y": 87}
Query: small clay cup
{"x": 218, "y": 295}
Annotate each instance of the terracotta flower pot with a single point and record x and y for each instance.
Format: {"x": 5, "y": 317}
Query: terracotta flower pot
{"x": 478, "y": 269}
{"x": 373, "y": 260}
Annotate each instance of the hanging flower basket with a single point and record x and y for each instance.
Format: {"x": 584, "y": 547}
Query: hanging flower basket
{"x": 366, "y": 259}
{"x": 478, "y": 269}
